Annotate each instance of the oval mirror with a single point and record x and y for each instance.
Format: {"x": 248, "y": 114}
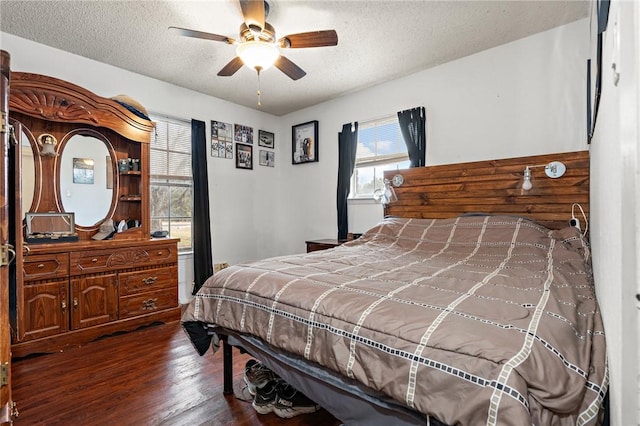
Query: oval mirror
{"x": 28, "y": 174}
{"x": 86, "y": 178}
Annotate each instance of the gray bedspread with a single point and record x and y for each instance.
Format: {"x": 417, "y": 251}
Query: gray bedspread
{"x": 472, "y": 320}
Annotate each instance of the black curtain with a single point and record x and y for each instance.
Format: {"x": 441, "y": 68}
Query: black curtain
{"x": 202, "y": 260}
{"x": 347, "y": 144}
{"x": 413, "y": 127}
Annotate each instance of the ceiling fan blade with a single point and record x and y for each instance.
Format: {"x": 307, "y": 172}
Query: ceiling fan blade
{"x": 310, "y": 39}
{"x": 293, "y": 71}
{"x": 253, "y": 13}
{"x": 201, "y": 34}
{"x": 230, "y": 69}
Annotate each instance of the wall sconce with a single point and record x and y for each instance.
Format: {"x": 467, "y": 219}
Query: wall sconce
{"x": 554, "y": 170}
{"x": 47, "y": 145}
{"x": 385, "y": 195}
{"x": 397, "y": 180}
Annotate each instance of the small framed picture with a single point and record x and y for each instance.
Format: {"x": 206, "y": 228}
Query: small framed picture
{"x": 244, "y": 156}
{"x": 304, "y": 142}
{"x": 267, "y": 158}
{"x": 83, "y": 170}
{"x": 243, "y": 134}
{"x": 265, "y": 139}
{"x": 221, "y": 134}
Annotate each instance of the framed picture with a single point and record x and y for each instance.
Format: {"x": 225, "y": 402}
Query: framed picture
{"x": 83, "y": 170}
{"x": 304, "y": 142}
{"x": 267, "y": 158}
{"x": 265, "y": 139}
{"x": 243, "y": 134}
{"x": 221, "y": 134}
{"x": 244, "y": 156}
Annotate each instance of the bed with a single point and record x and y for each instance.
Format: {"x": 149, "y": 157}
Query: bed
{"x": 474, "y": 318}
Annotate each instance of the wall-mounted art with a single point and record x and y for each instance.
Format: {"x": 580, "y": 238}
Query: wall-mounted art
{"x": 221, "y": 136}
{"x": 244, "y": 156}
{"x": 83, "y": 170}
{"x": 266, "y": 139}
{"x": 304, "y": 142}
{"x": 267, "y": 158}
{"x": 243, "y": 134}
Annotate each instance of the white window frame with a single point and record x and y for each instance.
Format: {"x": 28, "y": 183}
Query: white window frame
{"x": 160, "y": 180}
{"x": 377, "y": 160}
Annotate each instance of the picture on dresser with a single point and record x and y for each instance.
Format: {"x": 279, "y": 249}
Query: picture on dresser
{"x": 243, "y": 134}
{"x": 221, "y": 135}
{"x": 83, "y": 170}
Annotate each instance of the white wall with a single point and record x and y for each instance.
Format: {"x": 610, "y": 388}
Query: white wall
{"x": 615, "y": 208}
{"x": 523, "y": 98}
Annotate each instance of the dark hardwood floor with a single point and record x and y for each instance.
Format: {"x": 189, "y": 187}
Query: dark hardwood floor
{"x": 151, "y": 376}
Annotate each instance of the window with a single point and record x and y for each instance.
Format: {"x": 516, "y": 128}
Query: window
{"x": 172, "y": 180}
{"x": 380, "y": 148}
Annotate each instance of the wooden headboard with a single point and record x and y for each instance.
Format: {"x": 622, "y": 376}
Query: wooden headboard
{"x": 494, "y": 187}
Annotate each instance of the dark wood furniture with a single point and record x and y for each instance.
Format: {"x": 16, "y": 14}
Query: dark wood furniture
{"x": 323, "y": 244}
{"x": 69, "y": 293}
{"x": 7, "y": 408}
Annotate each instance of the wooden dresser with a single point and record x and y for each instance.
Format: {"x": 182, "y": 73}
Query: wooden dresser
{"x": 68, "y": 293}
{"x": 69, "y": 287}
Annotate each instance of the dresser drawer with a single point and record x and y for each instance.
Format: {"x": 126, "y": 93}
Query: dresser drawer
{"x": 146, "y": 303}
{"x": 148, "y": 280}
{"x": 109, "y": 260}
{"x": 45, "y": 266}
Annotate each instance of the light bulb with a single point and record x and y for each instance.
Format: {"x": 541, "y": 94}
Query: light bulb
{"x": 526, "y": 180}
{"x": 258, "y": 54}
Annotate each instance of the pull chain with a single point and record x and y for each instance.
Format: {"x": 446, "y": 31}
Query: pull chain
{"x": 258, "y": 91}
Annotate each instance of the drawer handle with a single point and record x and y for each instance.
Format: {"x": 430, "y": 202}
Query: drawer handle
{"x": 94, "y": 260}
{"x": 41, "y": 265}
{"x": 75, "y": 303}
{"x": 63, "y": 305}
{"x": 159, "y": 253}
{"x": 149, "y": 280}
{"x": 149, "y": 304}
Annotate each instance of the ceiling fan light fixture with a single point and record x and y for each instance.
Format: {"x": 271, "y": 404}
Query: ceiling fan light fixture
{"x": 258, "y": 54}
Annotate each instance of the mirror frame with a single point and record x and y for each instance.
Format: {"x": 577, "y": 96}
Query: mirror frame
{"x": 85, "y": 131}
{"x": 50, "y": 105}
{"x": 20, "y": 130}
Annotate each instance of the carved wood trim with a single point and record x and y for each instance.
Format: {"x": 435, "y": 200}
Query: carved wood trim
{"x": 53, "y": 99}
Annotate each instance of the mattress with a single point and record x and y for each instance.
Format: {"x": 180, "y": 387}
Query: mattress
{"x": 472, "y": 320}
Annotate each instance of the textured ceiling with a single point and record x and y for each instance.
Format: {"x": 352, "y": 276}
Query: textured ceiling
{"x": 378, "y": 41}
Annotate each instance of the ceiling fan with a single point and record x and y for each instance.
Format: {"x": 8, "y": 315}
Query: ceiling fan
{"x": 258, "y": 47}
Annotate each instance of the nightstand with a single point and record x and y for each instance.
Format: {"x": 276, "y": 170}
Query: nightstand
{"x": 314, "y": 245}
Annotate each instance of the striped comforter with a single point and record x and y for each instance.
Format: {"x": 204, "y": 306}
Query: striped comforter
{"x": 472, "y": 320}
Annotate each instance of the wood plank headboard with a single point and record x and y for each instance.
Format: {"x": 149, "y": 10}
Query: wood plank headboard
{"x": 494, "y": 187}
